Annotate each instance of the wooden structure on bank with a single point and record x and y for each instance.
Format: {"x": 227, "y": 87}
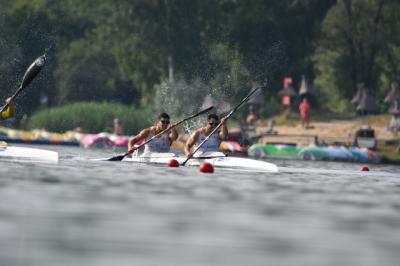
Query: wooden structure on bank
{"x": 306, "y": 89}
{"x": 393, "y": 99}
{"x": 365, "y": 103}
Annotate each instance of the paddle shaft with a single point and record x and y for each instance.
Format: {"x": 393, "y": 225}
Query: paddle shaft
{"x": 117, "y": 158}
{"x": 219, "y": 125}
{"x": 12, "y": 98}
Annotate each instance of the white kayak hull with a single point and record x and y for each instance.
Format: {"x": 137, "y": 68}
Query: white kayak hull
{"x": 27, "y": 154}
{"x": 218, "y": 160}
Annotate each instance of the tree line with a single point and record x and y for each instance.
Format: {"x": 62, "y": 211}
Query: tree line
{"x": 133, "y": 51}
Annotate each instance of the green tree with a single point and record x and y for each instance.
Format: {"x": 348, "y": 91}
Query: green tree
{"x": 358, "y": 39}
{"x": 97, "y": 46}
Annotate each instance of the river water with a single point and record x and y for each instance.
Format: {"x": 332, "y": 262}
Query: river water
{"x": 82, "y": 212}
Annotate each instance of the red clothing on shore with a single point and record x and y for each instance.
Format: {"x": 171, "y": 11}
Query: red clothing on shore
{"x": 305, "y": 110}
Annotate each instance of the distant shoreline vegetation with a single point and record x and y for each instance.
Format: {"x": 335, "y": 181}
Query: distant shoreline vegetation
{"x": 91, "y": 117}
{"x": 221, "y": 48}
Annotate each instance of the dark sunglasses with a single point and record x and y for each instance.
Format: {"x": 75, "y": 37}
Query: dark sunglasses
{"x": 213, "y": 123}
{"x": 164, "y": 121}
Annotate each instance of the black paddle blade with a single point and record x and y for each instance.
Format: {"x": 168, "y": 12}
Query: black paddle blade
{"x": 116, "y": 158}
{"x": 206, "y": 110}
{"x": 195, "y": 115}
{"x": 33, "y": 70}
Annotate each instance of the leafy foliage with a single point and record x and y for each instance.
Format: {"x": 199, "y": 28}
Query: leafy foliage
{"x": 130, "y": 51}
{"x": 358, "y": 44}
{"x": 91, "y": 117}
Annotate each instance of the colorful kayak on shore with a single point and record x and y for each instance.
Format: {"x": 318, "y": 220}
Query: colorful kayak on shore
{"x": 313, "y": 152}
{"x": 40, "y": 137}
{"x": 104, "y": 140}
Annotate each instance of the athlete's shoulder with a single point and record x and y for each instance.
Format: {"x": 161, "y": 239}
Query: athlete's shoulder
{"x": 198, "y": 131}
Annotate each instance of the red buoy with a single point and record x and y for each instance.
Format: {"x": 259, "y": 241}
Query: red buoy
{"x": 206, "y": 168}
{"x": 364, "y": 168}
{"x": 173, "y": 163}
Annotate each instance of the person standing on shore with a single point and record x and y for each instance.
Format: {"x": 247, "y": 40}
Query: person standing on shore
{"x": 305, "y": 108}
{"x": 117, "y": 127}
{"x": 251, "y": 118}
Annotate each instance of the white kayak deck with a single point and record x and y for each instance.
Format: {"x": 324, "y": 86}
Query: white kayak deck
{"x": 217, "y": 159}
{"x": 27, "y": 154}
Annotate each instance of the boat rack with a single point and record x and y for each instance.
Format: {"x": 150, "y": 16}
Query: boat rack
{"x": 304, "y": 139}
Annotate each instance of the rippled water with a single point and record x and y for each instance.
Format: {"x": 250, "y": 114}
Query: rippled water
{"x": 83, "y": 212}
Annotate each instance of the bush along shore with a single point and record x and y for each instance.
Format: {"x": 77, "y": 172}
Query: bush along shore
{"x": 91, "y": 117}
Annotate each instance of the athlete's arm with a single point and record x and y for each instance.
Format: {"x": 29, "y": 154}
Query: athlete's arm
{"x": 223, "y": 133}
{"x": 173, "y": 134}
{"x": 191, "y": 141}
{"x": 142, "y": 135}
